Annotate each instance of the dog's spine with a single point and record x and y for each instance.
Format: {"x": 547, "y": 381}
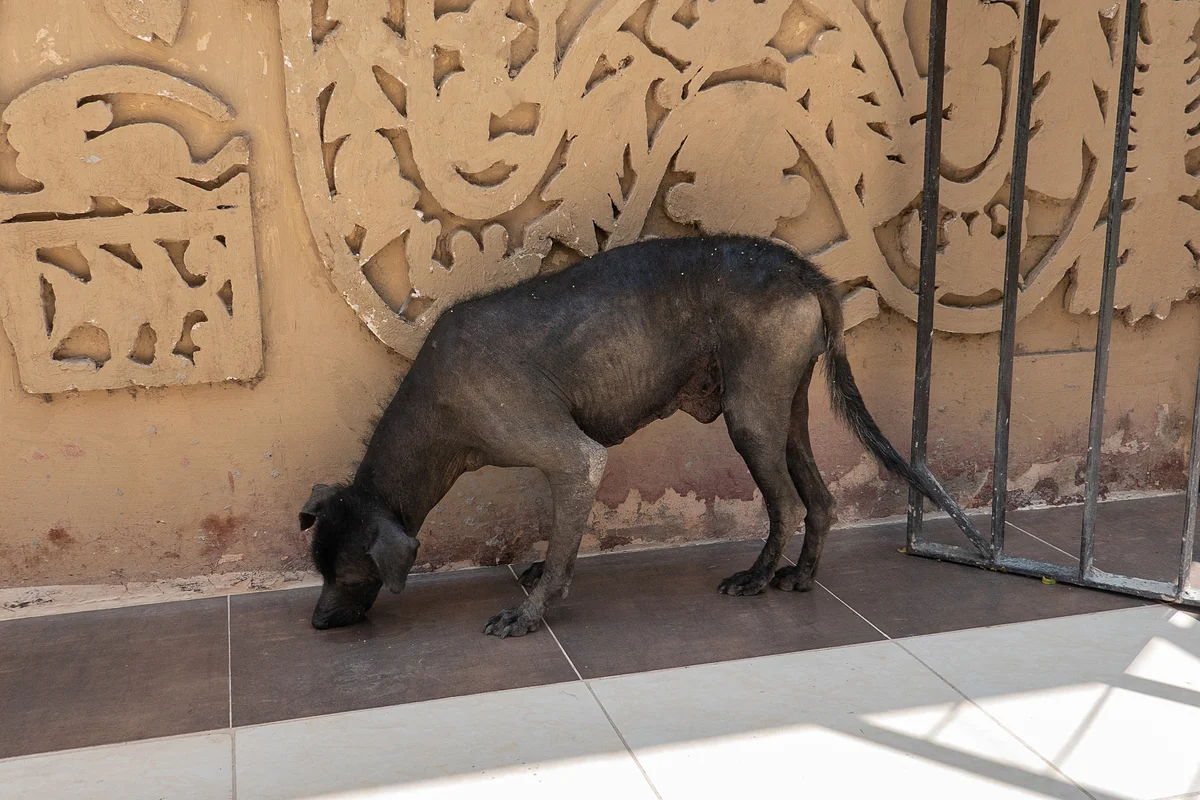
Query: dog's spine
{"x": 849, "y": 406}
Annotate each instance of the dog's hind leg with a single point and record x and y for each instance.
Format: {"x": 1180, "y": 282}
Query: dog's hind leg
{"x": 818, "y": 502}
{"x": 573, "y": 465}
{"x": 758, "y": 425}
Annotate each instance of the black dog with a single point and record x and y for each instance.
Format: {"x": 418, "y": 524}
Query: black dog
{"x": 549, "y": 373}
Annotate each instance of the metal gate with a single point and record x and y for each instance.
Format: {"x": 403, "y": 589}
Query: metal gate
{"x": 989, "y": 551}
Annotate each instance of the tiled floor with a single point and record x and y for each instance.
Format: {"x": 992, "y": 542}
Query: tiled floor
{"x": 641, "y": 611}
{"x": 1133, "y": 537}
{"x": 424, "y": 644}
{"x": 897, "y": 676}
{"x": 74, "y": 680}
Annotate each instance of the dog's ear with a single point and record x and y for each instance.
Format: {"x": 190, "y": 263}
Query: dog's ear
{"x": 393, "y": 552}
{"x": 315, "y": 505}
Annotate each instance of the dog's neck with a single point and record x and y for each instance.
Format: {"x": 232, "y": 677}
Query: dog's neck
{"x": 416, "y": 467}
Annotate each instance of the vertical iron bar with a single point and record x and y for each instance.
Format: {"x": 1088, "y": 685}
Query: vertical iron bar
{"x": 1012, "y": 270}
{"x": 1111, "y": 244}
{"x": 935, "y": 78}
{"x": 1193, "y": 499}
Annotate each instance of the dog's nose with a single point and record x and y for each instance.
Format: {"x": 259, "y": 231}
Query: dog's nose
{"x": 335, "y": 619}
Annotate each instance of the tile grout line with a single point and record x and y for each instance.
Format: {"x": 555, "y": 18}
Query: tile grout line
{"x": 620, "y": 735}
{"x": 1033, "y": 535}
{"x": 229, "y": 673}
{"x": 843, "y": 602}
{"x": 996, "y": 722}
{"x": 899, "y": 643}
{"x": 857, "y": 613}
{"x": 592, "y": 692}
{"x": 111, "y": 745}
{"x": 229, "y": 656}
{"x": 549, "y": 630}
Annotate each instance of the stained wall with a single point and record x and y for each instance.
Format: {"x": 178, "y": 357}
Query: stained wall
{"x": 228, "y": 224}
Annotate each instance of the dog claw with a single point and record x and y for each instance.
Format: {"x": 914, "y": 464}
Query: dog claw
{"x": 792, "y": 579}
{"x": 743, "y": 584}
{"x": 511, "y": 622}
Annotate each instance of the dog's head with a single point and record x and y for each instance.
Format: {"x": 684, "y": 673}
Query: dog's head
{"x": 359, "y": 547}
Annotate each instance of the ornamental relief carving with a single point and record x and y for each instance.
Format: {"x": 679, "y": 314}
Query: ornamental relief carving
{"x": 446, "y": 148}
{"x": 128, "y": 258}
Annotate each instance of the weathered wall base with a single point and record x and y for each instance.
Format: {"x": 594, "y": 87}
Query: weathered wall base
{"x": 680, "y": 481}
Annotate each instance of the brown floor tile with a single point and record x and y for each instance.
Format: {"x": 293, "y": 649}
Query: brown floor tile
{"x": 76, "y": 680}
{"x": 1133, "y": 537}
{"x": 653, "y": 610}
{"x": 908, "y": 595}
{"x": 944, "y": 531}
{"x": 423, "y": 644}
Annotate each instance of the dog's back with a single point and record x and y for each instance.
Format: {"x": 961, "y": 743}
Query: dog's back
{"x": 664, "y": 273}
{"x": 637, "y": 332}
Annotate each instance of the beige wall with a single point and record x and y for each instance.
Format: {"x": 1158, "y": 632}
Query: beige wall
{"x": 804, "y": 126}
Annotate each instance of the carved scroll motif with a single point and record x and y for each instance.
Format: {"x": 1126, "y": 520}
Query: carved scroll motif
{"x": 147, "y": 19}
{"x": 130, "y": 260}
{"x": 447, "y": 148}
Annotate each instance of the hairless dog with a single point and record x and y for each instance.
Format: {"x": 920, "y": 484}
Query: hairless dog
{"x": 549, "y": 373}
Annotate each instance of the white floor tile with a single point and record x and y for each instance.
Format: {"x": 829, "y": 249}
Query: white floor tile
{"x": 545, "y": 742}
{"x": 195, "y": 767}
{"x": 857, "y": 722}
{"x": 1113, "y": 699}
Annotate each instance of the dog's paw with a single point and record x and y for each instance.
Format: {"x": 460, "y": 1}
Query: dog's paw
{"x": 512, "y": 622}
{"x": 531, "y": 575}
{"x": 792, "y": 579}
{"x": 743, "y": 583}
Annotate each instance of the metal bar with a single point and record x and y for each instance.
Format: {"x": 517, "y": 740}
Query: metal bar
{"x": 1012, "y": 270}
{"x": 1062, "y": 573}
{"x": 930, "y": 213}
{"x": 1193, "y": 500}
{"x": 1105, "y": 315}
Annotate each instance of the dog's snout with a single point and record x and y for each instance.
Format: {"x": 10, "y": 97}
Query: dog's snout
{"x": 339, "y": 606}
{"x": 336, "y": 618}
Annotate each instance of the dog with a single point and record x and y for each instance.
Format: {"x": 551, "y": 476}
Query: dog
{"x": 551, "y": 372}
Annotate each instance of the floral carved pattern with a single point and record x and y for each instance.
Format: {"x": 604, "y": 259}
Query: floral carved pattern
{"x": 447, "y": 148}
{"x": 1162, "y": 187}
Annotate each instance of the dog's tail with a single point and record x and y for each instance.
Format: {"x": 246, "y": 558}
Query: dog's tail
{"x": 849, "y": 406}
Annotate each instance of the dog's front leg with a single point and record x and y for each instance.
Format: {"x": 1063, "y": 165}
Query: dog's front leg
{"x": 532, "y": 574}
{"x": 574, "y": 492}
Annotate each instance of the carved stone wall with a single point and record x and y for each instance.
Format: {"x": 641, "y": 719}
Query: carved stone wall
{"x": 247, "y": 215}
{"x": 127, "y": 258}
{"x": 447, "y": 148}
